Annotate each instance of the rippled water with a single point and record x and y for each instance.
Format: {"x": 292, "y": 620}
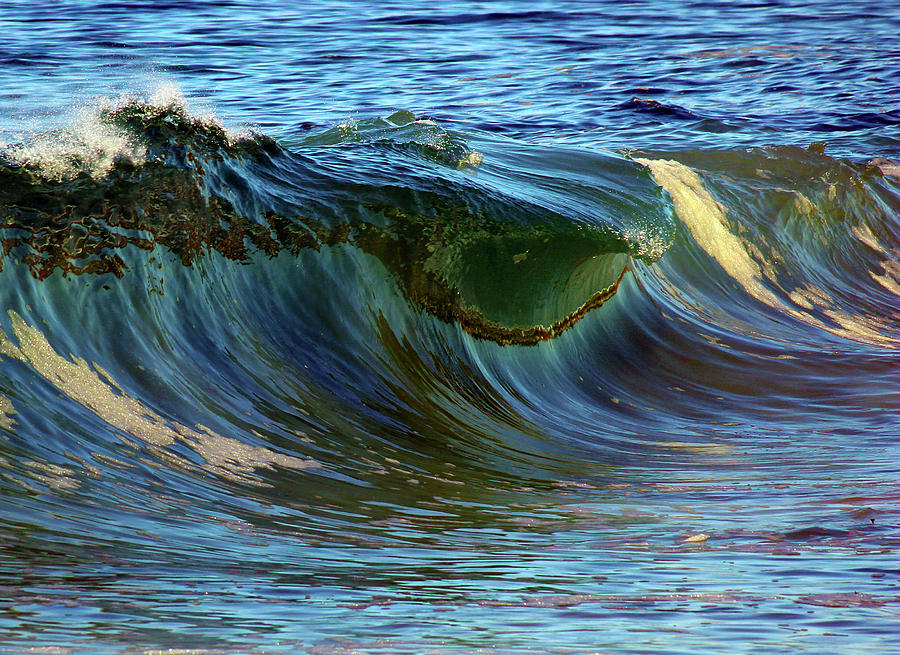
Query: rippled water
{"x": 453, "y": 327}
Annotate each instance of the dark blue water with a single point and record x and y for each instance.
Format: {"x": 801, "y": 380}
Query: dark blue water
{"x": 449, "y": 327}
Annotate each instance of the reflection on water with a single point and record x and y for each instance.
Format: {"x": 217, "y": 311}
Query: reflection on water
{"x": 93, "y": 388}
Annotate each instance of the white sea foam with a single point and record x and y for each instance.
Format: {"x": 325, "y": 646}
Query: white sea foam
{"x": 87, "y": 145}
{"x": 168, "y": 95}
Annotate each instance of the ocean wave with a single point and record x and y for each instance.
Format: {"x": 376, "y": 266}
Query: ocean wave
{"x": 473, "y": 253}
{"x": 799, "y": 232}
{"x": 380, "y": 278}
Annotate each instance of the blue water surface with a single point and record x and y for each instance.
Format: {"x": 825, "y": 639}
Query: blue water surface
{"x": 298, "y": 449}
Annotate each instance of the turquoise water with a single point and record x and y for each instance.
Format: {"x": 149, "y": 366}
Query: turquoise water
{"x": 454, "y": 327}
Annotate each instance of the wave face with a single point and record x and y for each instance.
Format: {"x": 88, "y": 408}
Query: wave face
{"x": 254, "y": 355}
{"x": 582, "y": 334}
{"x": 474, "y": 253}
